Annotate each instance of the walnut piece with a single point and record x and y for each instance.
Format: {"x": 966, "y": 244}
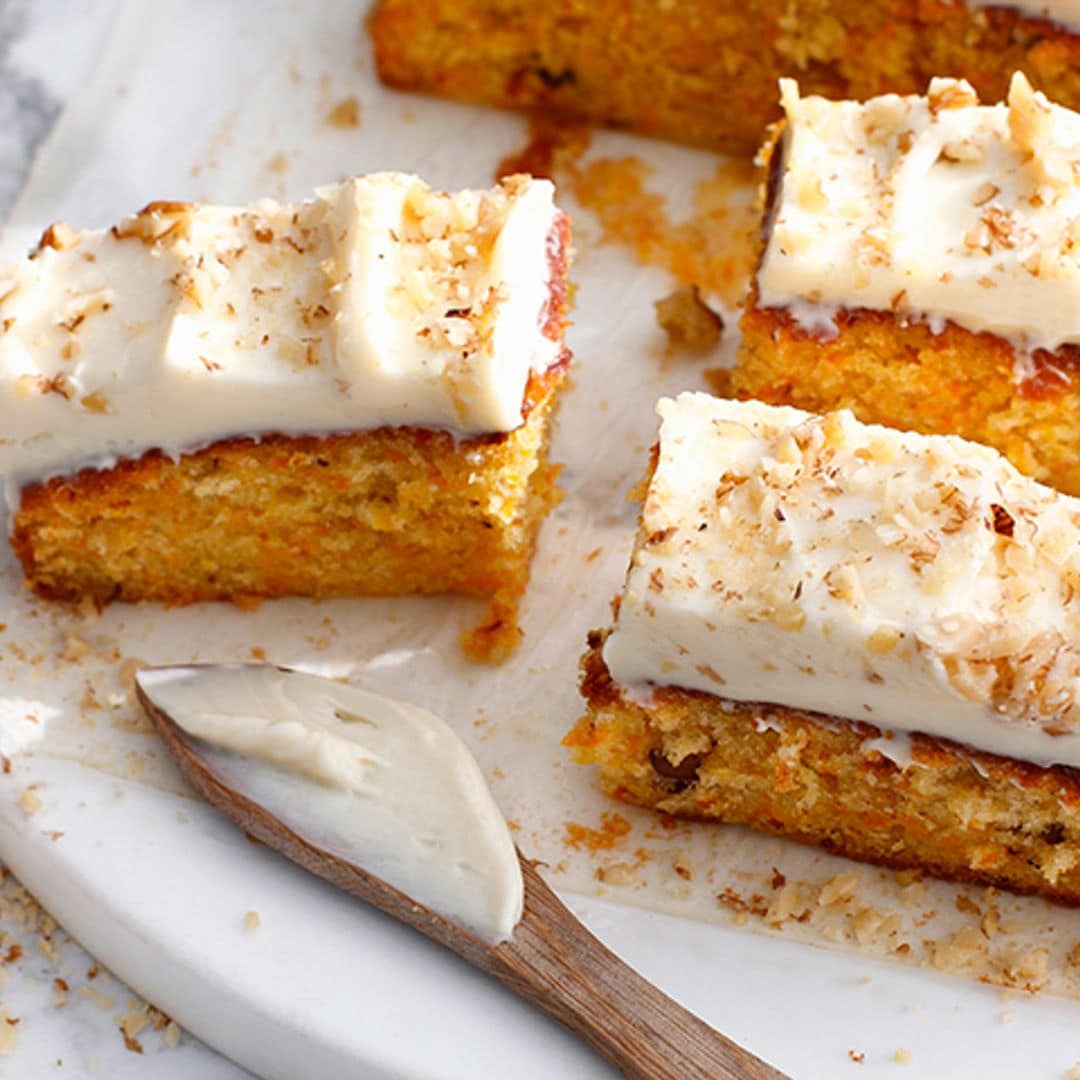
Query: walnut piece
{"x": 688, "y": 321}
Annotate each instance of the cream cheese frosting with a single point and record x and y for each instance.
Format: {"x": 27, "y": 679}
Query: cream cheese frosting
{"x": 919, "y": 583}
{"x": 379, "y": 782}
{"x": 379, "y": 302}
{"x": 931, "y": 207}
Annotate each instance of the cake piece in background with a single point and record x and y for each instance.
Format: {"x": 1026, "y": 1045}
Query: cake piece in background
{"x": 346, "y": 396}
{"x": 857, "y": 637}
{"x": 921, "y": 266}
{"x": 705, "y": 73}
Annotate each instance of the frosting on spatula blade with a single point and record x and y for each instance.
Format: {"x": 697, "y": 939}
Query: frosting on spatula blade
{"x": 372, "y": 780}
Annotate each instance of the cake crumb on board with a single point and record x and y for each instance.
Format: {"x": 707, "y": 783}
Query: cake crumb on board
{"x": 25, "y": 925}
{"x": 345, "y": 114}
{"x": 690, "y": 324}
{"x": 613, "y": 827}
{"x": 30, "y": 802}
{"x": 618, "y": 874}
{"x": 8, "y": 1032}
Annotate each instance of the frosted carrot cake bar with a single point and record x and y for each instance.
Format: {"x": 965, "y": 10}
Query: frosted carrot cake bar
{"x": 920, "y": 265}
{"x": 856, "y": 637}
{"x": 346, "y": 396}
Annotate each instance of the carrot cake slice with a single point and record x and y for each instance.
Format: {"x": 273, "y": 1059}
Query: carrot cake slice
{"x": 347, "y": 396}
{"x": 857, "y": 637}
{"x": 705, "y": 73}
{"x": 921, "y": 267}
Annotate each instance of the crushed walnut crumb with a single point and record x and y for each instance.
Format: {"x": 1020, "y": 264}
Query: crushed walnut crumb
{"x": 345, "y": 114}
{"x": 620, "y": 874}
{"x": 690, "y": 324}
{"x": 21, "y": 915}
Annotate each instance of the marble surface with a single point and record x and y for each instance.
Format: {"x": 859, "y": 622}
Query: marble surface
{"x": 72, "y": 1014}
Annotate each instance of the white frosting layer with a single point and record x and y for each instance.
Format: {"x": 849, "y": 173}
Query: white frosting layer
{"x": 915, "y": 582}
{"x": 379, "y": 782}
{"x": 931, "y": 207}
{"x": 378, "y": 303}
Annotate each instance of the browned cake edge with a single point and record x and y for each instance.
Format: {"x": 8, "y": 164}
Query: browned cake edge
{"x": 954, "y": 812}
{"x": 702, "y": 72}
{"x": 895, "y": 371}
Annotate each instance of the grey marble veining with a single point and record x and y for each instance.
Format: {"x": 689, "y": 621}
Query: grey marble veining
{"x": 28, "y": 108}
{"x": 48, "y": 50}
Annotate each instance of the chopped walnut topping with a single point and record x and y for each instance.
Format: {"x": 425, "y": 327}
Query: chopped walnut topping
{"x": 884, "y": 118}
{"x": 1001, "y": 227}
{"x": 958, "y": 150}
{"x": 157, "y": 223}
{"x": 977, "y": 238}
{"x": 883, "y": 640}
{"x": 60, "y": 384}
{"x": 890, "y": 566}
{"x": 950, "y": 94}
{"x": 60, "y": 237}
{"x": 84, "y": 306}
{"x": 1003, "y": 523}
{"x": 1031, "y": 127}
{"x": 876, "y": 162}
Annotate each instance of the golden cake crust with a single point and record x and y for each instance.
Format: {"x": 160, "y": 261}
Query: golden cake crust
{"x": 954, "y": 812}
{"x": 704, "y": 73}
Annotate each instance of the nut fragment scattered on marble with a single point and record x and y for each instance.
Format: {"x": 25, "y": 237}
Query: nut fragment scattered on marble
{"x": 688, "y": 321}
{"x": 345, "y": 114}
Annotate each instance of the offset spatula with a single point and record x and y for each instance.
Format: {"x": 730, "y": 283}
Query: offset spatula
{"x": 551, "y": 960}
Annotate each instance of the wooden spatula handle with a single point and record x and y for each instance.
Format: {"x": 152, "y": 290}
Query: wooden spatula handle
{"x": 556, "y": 964}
